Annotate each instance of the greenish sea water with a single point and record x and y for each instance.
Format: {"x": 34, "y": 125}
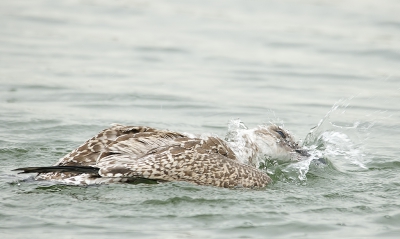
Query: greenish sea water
{"x": 69, "y": 69}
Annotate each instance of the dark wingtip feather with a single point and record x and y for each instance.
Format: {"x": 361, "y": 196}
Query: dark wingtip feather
{"x": 63, "y": 169}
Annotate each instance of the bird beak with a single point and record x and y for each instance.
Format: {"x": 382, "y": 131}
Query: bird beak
{"x": 303, "y": 152}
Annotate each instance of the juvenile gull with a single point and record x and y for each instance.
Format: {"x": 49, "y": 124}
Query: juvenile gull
{"x": 129, "y": 153}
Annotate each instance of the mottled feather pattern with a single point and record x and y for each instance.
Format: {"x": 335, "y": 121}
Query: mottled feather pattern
{"x": 127, "y": 153}
{"x": 177, "y": 164}
{"x": 117, "y": 139}
{"x": 194, "y": 160}
{"x": 140, "y": 143}
{"x": 135, "y": 140}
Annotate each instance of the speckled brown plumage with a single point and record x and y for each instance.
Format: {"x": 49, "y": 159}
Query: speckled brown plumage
{"x": 205, "y": 162}
{"x": 126, "y": 153}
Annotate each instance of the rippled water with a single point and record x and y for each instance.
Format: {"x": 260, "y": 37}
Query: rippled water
{"x": 328, "y": 71}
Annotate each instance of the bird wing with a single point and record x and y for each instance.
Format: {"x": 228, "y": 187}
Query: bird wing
{"x": 135, "y": 140}
{"x": 192, "y": 160}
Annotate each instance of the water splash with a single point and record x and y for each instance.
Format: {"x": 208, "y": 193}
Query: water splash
{"x": 240, "y": 139}
{"x": 234, "y": 136}
{"x": 338, "y": 142}
{"x": 339, "y": 137}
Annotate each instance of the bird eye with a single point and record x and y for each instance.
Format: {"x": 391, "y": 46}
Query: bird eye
{"x": 281, "y": 134}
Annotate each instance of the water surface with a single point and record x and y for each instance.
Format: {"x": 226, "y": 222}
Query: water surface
{"x": 68, "y": 69}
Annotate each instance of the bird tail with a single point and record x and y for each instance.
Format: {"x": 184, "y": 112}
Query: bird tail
{"x": 61, "y": 169}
